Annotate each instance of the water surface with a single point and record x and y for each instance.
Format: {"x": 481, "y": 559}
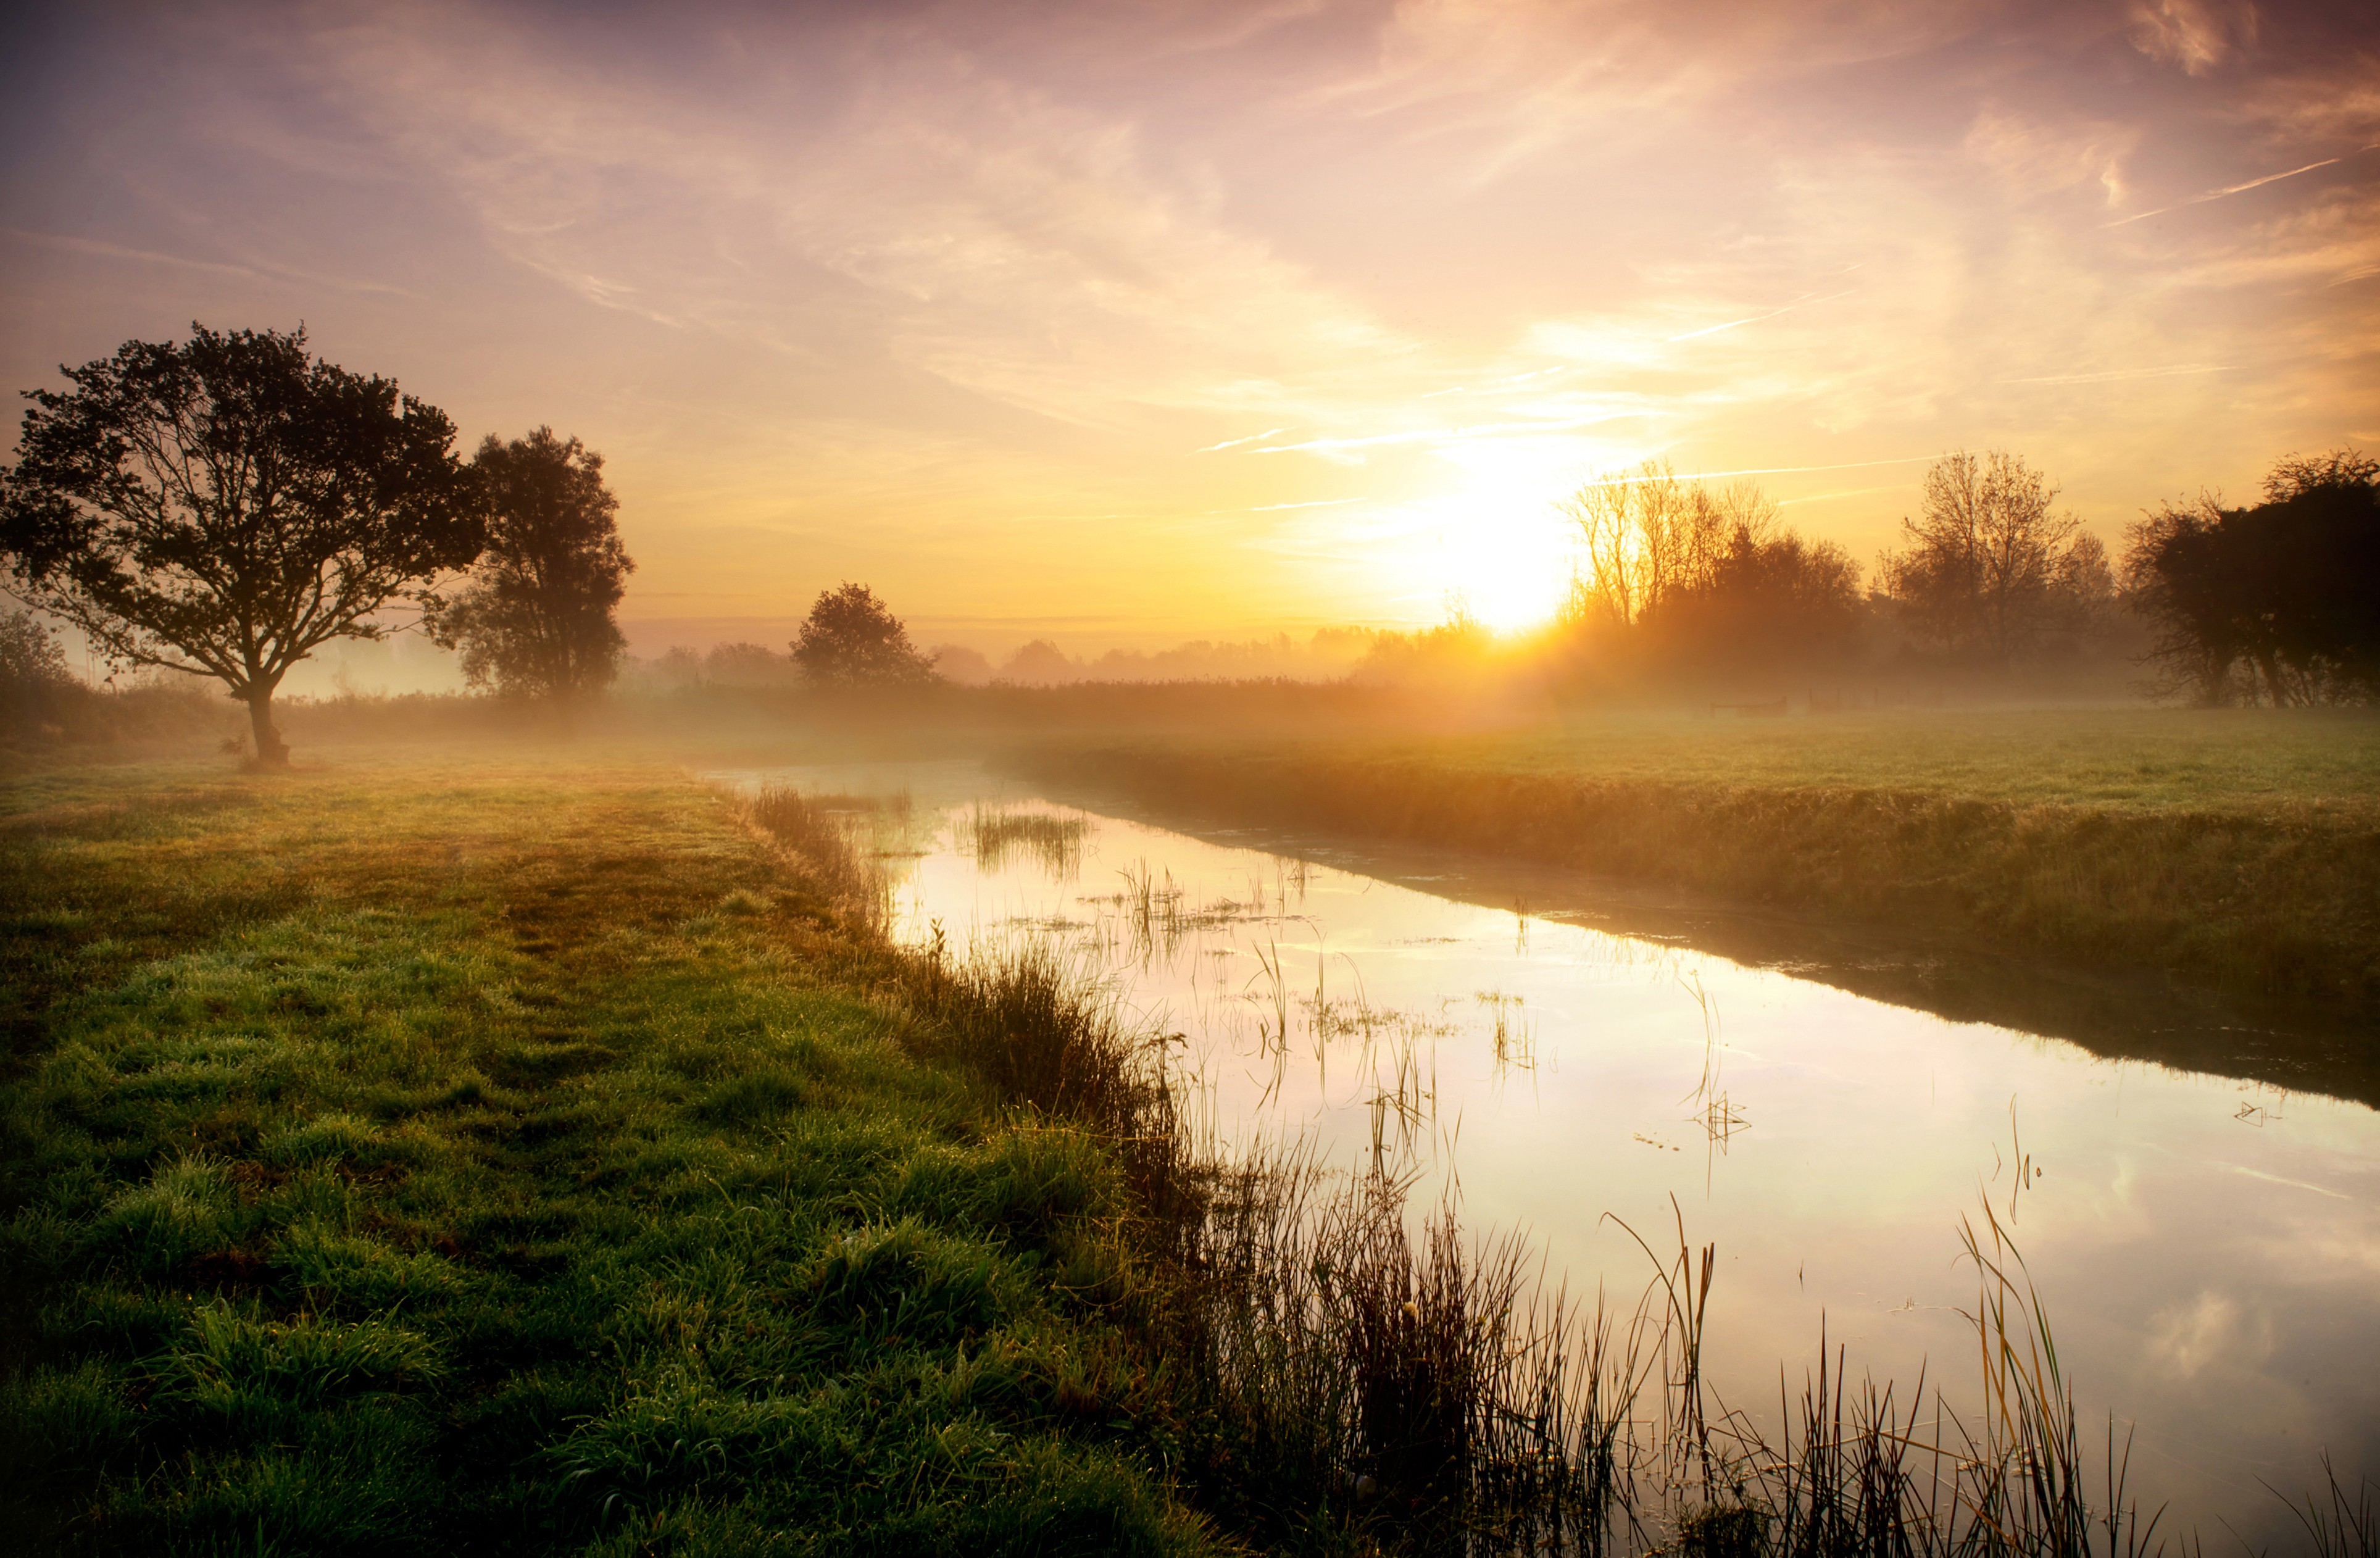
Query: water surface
{"x": 2207, "y": 1246}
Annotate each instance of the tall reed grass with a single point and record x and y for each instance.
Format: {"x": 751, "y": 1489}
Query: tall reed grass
{"x": 1349, "y": 1378}
{"x": 1053, "y": 843}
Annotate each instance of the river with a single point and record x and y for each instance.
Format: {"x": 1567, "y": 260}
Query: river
{"x": 1589, "y": 1067}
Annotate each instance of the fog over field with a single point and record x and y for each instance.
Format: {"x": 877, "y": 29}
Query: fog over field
{"x": 1122, "y": 328}
{"x": 1341, "y": 777}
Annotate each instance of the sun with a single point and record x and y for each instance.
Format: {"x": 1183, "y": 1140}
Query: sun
{"x": 1500, "y": 545}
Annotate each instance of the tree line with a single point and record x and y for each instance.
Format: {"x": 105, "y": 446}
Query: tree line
{"x": 224, "y": 506}
{"x": 2277, "y": 601}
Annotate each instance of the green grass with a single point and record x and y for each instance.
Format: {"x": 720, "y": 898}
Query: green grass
{"x": 2125, "y": 759}
{"x": 400, "y": 1157}
{"x": 2241, "y": 848}
{"x": 409, "y": 1159}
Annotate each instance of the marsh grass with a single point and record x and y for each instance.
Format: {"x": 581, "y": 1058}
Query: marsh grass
{"x": 2270, "y": 884}
{"x": 527, "y": 1163}
{"x": 1053, "y": 843}
{"x": 1351, "y": 1379}
{"x": 820, "y": 831}
{"x": 519, "y": 1161}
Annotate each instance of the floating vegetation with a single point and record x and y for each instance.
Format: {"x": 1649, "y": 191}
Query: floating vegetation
{"x": 1053, "y": 843}
{"x": 1339, "y": 1374}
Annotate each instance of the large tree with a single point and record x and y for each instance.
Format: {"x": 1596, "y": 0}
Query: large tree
{"x": 536, "y": 617}
{"x": 1988, "y": 570}
{"x": 852, "y": 639}
{"x": 2277, "y": 601}
{"x": 226, "y": 505}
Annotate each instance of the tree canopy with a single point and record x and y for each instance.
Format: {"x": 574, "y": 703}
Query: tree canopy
{"x": 536, "y": 618}
{"x": 2279, "y": 601}
{"x": 852, "y": 639}
{"x": 226, "y": 505}
{"x": 1682, "y": 579}
{"x": 1987, "y": 571}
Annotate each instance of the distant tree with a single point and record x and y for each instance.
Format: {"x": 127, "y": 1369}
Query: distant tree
{"x": 1642, "y": 536}
{"x": 33, "y": 673}
{"x": 680, "y": 665}
{"x": 1041, "y": 663}
{"x": 743, "y": 665}
{"x": 2278, "y": 602}
{"x": 956, "y": 662}
{"x": 1769, "y": 599}
{"x": 224, "y": 506}
{"x": 1676, "y": 576}
{"x": 852, "y": 639}
{"x": 1986, "y": 570}
{"x": 536, "y": 618}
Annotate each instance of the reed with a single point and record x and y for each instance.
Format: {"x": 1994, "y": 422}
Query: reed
{"x": 1053, "y": 843}
{"x": 2275, "y": 897}
{"x": 818, "y": 830}
{"x": 1344, "y": 1377}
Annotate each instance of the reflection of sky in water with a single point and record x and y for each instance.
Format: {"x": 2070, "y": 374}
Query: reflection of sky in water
{"x": 2208, "y": 1251}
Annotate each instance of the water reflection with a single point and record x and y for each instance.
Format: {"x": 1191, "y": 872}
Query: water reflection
{"x": 2206, "y": 1245}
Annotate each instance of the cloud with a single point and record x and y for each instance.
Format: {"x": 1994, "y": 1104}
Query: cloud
{"x": 2197, "y": 35}
{"x": 2034, "y": 156}
{"x": 950, "y": 283}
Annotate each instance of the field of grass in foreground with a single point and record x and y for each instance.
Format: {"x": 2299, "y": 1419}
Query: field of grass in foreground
{"x": 2240, "y": 846}
{"x": 531, "y": 1158}
{"x": 488, "y": 1160}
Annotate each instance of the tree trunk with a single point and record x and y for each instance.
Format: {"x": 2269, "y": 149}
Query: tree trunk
{"x": 270, "y": 750}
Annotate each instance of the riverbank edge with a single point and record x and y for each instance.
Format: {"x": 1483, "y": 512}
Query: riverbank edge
{"x": 2282, "y": 902}
{"x": 573, "y": 1098}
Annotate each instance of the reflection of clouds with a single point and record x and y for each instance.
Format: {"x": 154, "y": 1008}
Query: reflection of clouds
{"x": 2210, "y": 1329}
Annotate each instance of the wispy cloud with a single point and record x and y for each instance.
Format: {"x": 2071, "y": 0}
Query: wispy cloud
{"x": 945, "y": 298}
{"x": 2112, "y": 375}
{"x": 1235, "y": 442}
{"x": 1754, "y": 319}
{"x": 2240, "y": 188}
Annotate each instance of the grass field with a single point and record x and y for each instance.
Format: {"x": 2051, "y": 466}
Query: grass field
{"x": 493, "y": 1160}
{"x": 403, "y": 1157}
{"x": 2128, "y": 759}
{"x": 2234, "y": 846}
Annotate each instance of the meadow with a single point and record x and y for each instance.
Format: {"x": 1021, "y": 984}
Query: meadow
{"x": 514, "y": 1159}
{"x": 416, "y": 1153}
{"x": 2239, "y": 848}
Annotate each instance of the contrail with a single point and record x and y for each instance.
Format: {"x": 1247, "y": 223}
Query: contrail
{"x": 1235, "y": 442}
{"x": 2124, "y": 373}
{"x": 1759, "y": 470}
{"x": 1803, "y": 301}
{"x": 2240, "y": 188}
{"x": 1424, "y": 435}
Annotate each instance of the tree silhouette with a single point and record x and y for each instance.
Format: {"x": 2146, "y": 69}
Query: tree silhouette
{"x": 224, "y": 506}
{"x": 852, "y": 639}
{"x": 1987, "y": 571}
{"x": 1677, "y": 578}
{"x": 536, "y": 618}
{"x": 2279, "y": 601}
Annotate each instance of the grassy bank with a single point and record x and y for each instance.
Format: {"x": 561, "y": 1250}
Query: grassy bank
{"x": 422, "y": 1159}
{"x": 473, "y": 1158}
{"x": 514, "y": 1160}
{"x": 2235, "y": 847}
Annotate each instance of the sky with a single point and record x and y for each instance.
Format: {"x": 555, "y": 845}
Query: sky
{"x": 1128, "y": 323}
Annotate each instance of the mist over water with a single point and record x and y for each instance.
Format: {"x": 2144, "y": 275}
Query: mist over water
{"x": 2205, "y": 1247}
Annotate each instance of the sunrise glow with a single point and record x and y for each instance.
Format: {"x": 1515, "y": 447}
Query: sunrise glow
{"x": 1210, "y": 321}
